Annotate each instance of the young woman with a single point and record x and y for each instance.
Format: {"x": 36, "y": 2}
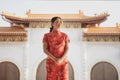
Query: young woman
{"x": 55, "y": 46}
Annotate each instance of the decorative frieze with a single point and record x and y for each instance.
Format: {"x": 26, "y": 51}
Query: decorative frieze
{"x": 13, "y": 34}
{"x": 40, "y": 24}
{"x": 102, "y": 38}
{"x": 110, "y": 34}
{"x": 13, "y": 38}
{"x": 47, "y": 24}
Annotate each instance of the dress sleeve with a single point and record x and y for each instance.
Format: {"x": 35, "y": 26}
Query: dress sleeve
{"x": 45, "y": 38}
{"x": 67, "y": 40}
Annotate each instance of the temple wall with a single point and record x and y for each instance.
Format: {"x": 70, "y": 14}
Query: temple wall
{"x": 82, "y": 55}
{"x": 96, "y": 52}
{"x": 14, "y": 52}
{"x": 75, "y": 54}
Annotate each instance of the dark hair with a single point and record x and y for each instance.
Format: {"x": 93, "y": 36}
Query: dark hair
{"x": 53, "y": 20}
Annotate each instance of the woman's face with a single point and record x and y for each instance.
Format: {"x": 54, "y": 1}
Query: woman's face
{"x": 57, "y": 23}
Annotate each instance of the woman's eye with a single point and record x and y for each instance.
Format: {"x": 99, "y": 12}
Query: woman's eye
{"x": 56, "y": 22}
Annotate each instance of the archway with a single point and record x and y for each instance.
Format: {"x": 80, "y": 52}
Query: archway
{"x": 104, "y": 71}
{"x": 41, "y": 71}
{"x": 9, "y": 71}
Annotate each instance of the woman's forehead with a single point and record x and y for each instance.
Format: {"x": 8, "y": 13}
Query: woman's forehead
{"x": 57, "y": 20}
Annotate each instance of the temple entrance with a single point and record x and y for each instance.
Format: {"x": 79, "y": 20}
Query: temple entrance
{"x": 41, "y": 71}
{"x": 104, "y": 71}
{"x": 9, "y": 71}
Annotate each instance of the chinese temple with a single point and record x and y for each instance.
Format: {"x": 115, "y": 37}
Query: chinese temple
{"x": 43, "y": 20}
{"x": 94, "y": 52}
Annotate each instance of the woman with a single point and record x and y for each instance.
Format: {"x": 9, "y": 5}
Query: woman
{"x": 55, "y": 45}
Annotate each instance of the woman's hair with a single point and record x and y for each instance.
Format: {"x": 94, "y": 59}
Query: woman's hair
{"x": 52, "y": 21}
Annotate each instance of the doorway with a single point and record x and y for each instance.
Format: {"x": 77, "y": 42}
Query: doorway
{"x": 104, "y": 71}
{"x": 9, "y": 71}
{"x": 41, "y": 71}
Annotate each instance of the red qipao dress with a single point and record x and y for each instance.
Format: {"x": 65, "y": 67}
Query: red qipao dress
{"x": 56, "y": 41}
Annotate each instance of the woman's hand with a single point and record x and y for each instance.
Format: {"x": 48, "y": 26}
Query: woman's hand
{"x": 59, "y": 60}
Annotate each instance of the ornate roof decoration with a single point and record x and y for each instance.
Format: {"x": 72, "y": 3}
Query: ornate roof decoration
{"x": 103, "y": 31}
{"x": 102, "y": 34}
{"x": 13, "y": 34}
{"x": 46, "y": 17}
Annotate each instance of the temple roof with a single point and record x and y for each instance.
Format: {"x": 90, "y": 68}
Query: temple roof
{"x": 102, "y": 31}
{"x": 14, "y": 33}
{"x": 12, "y": 30}
{"x": 46, "y": 17}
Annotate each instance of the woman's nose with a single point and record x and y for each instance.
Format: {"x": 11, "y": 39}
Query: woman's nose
{"x": 59, "y": 22}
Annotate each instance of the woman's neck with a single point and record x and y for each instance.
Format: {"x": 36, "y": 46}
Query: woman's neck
{"x": 56, "y": 31}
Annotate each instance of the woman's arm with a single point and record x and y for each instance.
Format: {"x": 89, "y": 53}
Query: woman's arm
{"x": 46, "y": 51}
{"x": 59, "y": 60}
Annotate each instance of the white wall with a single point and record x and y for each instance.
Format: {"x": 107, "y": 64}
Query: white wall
{"x": 102, "y": 51}
{"x": 75, "y": 54}
{"x": 82, "y": 55}
{"x": 14, "y": 52}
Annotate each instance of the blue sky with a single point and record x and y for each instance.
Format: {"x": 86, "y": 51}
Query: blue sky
{"x": 19, "y": 7}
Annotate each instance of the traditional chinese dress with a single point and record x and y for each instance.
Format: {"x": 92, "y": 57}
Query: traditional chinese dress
{"x": 56, "y": 41}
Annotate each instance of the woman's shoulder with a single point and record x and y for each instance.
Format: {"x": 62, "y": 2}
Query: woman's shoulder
{"x": 63, "y": 33}
{"x": 47, "y": 34}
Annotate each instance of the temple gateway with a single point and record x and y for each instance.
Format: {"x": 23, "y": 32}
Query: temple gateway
{"x": 94, "y": 52}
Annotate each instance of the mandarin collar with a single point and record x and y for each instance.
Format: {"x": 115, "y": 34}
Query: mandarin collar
{"x": 56, "y": 31}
